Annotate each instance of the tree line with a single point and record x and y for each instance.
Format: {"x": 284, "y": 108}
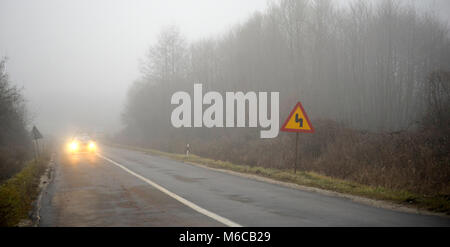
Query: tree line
{"x": 366, "y": 66}
{"x": 15, "y": 141}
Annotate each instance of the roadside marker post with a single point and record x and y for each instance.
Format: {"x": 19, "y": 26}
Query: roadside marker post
{"x": 297, "y": 122}
{"x": 188, "y": 150}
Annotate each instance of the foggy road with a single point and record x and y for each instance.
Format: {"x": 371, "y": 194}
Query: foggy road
{"x": 117, "y": 190}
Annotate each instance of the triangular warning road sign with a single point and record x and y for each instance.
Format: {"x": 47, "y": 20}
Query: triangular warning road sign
{"x": 298, "y": 121}
{"x": 36, "y": 133}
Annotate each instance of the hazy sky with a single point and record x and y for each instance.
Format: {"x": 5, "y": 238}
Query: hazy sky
{"x": 76, "y": 59}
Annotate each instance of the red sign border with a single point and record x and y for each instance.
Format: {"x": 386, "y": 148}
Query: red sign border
{"x": 283, "y": 128}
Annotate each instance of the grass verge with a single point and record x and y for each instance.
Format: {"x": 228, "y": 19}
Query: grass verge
{"x": 436, "y": 203}
{"x": 18, "y": 192}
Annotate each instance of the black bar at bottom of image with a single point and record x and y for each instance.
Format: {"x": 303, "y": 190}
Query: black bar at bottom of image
{"x": 221, "y": 236}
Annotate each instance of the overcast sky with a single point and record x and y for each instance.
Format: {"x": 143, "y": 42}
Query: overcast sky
{"x": 76, "y": 59}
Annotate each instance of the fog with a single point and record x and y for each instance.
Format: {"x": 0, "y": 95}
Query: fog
{"x": 76, "y": 59}
{"x": 349, "y": 96}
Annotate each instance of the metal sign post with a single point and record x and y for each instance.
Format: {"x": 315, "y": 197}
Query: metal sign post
{"x": 296, "y": 152}
{"x": 36, "y": 136}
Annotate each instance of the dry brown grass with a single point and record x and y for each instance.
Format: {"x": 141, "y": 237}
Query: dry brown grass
{"x": 414, "y": 162}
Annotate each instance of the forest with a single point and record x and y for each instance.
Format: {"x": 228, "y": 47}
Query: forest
{"x": 373, "y": 77}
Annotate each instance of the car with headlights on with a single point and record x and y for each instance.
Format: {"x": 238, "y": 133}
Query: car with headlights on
{"x": 82, "y": 144}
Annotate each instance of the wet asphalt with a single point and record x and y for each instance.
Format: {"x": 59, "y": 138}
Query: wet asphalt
{"x": 87, "y": 190}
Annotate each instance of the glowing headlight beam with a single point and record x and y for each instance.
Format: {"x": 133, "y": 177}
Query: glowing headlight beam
{"x": 91, "y": 146}
{"x": 73, "y": 146}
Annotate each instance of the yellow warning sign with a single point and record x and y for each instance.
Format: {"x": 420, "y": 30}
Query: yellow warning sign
{"x": 298, "y": 121}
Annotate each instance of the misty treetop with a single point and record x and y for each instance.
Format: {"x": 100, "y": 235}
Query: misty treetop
{"x": 366, "y": 65}
{"x": 12, "y": 111}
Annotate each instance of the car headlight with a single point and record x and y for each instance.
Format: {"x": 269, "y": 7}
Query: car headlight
{"x": 91, "y": 145}
{"x": 73, "y": 146}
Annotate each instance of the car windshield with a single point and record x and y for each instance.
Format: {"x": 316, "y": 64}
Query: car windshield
{"x": 84, "y": 138}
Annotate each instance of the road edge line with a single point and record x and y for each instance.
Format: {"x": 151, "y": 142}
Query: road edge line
{"x": 44, "y": 182}
{"x": 376, "y": 203}
{"x": 191, "y": 205}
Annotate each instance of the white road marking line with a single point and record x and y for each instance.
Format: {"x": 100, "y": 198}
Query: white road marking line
{"x": 192, "y": 205}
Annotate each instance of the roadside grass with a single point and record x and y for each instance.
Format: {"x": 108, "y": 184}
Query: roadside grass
{"x": 18, "y": 192}
{"x": 437, "y": 203}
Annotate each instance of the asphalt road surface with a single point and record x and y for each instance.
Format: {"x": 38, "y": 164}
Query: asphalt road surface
{"x": 120, "y": 187}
